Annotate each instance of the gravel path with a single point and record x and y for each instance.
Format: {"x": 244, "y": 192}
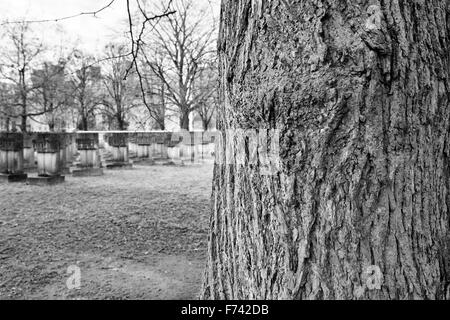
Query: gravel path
{"x": 134, "y": 234}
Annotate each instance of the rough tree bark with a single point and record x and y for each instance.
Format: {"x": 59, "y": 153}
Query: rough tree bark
{"x": 359, "y": 91}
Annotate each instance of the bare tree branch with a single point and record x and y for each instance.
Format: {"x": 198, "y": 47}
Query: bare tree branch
{"x": 93, "y": 13}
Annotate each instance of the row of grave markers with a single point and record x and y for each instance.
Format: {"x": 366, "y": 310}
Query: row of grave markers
{"x": 53, "y": 155}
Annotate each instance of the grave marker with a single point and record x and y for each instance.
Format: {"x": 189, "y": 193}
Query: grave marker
{"x": 29, "y": 159}
{"x": 11, "y": 157}
{"x": 119, "y": 145}
{"x": 88, "y": 147}
{"x": 144, "y": 142}
{"x": 48, "y": 147}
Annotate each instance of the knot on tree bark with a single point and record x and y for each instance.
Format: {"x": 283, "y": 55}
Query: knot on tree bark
{"x": 375, "y": 33}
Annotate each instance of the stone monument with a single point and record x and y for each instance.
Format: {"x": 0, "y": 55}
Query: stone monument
{"x": 88, "y": 147}
{"x": 48, "y": 148}
{"x": 144, "y": 142}
{"x": 119, "y": 146}
{"x": 11, "y": 157}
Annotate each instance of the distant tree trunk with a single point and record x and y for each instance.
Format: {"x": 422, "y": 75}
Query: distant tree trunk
{"x": 205, "y": 124}
{"x": 120, "y": 122}
{"x": 162, "y": 111}
{"x": 23, "y": 123}
{"x": 360, "y": 96}
{"x": 162, "y": 125}
{"x": 84, "y": 123}
{"x": 24, "y": 115}
{"x": 24, "y": 100}
{"x": 184, "y": 120}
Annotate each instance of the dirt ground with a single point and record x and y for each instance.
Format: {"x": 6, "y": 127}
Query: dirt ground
{"x": 133, "y": 234}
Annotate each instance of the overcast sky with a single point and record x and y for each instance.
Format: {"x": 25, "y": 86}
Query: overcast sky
{"x": 92, "y": 33}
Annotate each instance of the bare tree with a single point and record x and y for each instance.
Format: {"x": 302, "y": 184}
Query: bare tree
{"x": 52, "y": 93}
{"x": 86, "y": 84}
{"x": 154, "y": 91}
{"x": 178, "y": 49}
{"x": 19, "y": 51}
{"x": 120, "y": 85}
{"x": 207, "y": 104}
{"x": 6, "y": 102}
{"x": 141, "y": 119}
{"x": 207, "y": 110}
{"x": 136, "y": 36}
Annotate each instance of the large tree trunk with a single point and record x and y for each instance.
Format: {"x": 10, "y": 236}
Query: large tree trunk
{"x": 360, "y": 96}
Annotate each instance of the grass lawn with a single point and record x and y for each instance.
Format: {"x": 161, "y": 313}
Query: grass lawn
{"x": 134, "y": 234}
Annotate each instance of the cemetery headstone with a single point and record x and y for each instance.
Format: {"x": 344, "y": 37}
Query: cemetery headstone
{"x": 132, "y": 145}
{"x": 88, "y": 147}
{"x": 185, "y": 143}
{"x": 144, "y": 142}
{"x": 65, "y": 165}
{"x": 119, "y": 146}
{"x": 70, "y": 148}
{"x": 11, "y": 157}
{"x": 210, "y": 138}
{"x": 48, "y": 147}
{"x": 174, "y": 153}
{"x": 29, "y": 160}
{"x": 159, "y": 147}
